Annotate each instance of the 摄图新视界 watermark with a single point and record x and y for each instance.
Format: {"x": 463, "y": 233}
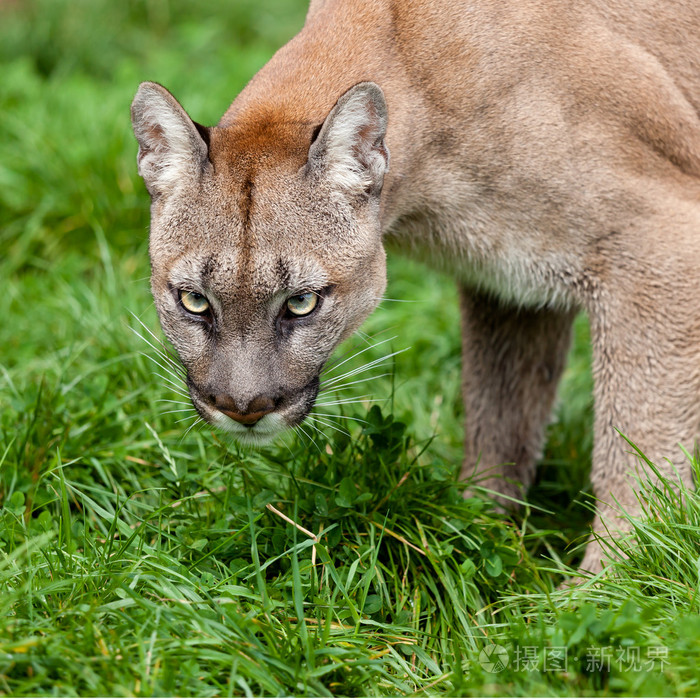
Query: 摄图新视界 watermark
{"x": 494, "y": 658}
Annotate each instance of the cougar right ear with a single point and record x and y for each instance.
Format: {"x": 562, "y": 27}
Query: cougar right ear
{"x": 172, "y": 148}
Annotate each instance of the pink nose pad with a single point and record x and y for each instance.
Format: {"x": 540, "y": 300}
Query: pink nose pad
{"x": 257, "y": 408}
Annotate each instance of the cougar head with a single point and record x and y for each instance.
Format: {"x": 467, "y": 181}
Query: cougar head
{"x": 265, "y": 248}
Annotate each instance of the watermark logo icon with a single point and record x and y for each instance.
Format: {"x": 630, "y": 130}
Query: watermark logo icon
{"x": 493, "y": 658}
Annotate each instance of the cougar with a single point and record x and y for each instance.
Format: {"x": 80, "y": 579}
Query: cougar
{"x": 545, "y": 152}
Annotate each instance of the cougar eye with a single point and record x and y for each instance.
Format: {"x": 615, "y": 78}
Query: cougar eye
{"x": 302, "y": 304}
{"x": 194, "y": 303}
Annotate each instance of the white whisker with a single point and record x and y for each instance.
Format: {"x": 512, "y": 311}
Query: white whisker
{"x": 178, "y": 410}
{"x": 364, "y": 368}
{"x": 283, "y": 438}
{"x": 179, "y": 393}
{"x": 337, "y": 428}
{"x": 325, "y": 418}
{"x": 176, "y": 377}
{"x": 165, "y": 350}
{"x": 176, "y": 390}
{"x": 176, "y": 381}
{"x": 336, "y": 400}
{"x": 310, "y": 438}
{"x": 377, "y": 344}
{"x": 339, "y": 417}
{"x": 191, "y": 415}
{"x": 343, "y": 402}
{"x": 198, "y": 420}
{"x": 166, "y": 357}
{"x": 318, "y": 430}
{"x": 356, "y": 381}
{"x": 363, "y": 336}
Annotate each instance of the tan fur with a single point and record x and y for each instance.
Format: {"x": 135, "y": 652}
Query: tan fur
{"x": 546, "y": 152}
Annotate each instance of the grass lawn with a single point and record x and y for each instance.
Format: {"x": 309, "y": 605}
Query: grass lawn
{"x": 141, "y": 557}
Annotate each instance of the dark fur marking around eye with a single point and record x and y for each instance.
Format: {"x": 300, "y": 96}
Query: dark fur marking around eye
{"x": 282, "y": 273}
{"x": 207, "y": 269}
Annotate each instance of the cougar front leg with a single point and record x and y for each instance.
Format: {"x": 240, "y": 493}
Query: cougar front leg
{"x": 646, "y": 369}
{"x": 512, "y": 359}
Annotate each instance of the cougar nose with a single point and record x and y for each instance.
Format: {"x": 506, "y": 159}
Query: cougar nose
{"x": 260, "y": 406}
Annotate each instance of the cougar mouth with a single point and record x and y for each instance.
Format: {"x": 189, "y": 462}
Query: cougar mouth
{"x": 289, "y": 411}
{"x": 262, "y": 432}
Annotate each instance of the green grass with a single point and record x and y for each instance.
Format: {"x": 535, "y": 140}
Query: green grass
{"x": 137, "y": 560}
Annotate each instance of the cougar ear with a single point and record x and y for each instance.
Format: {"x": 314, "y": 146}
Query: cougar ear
{"x": 172, "y": 148}
{"x": 350, "y": 148}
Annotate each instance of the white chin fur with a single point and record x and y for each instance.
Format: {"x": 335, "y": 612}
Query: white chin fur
{"x": 262, "y": 433}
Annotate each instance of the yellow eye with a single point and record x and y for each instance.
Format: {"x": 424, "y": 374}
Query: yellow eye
{"x": 194, "y": 303}
{"x": 302, "y": 304}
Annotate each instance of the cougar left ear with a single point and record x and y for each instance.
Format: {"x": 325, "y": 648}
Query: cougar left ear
{"x": 350, "y": 148}
{"x": 172, "y": 148}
